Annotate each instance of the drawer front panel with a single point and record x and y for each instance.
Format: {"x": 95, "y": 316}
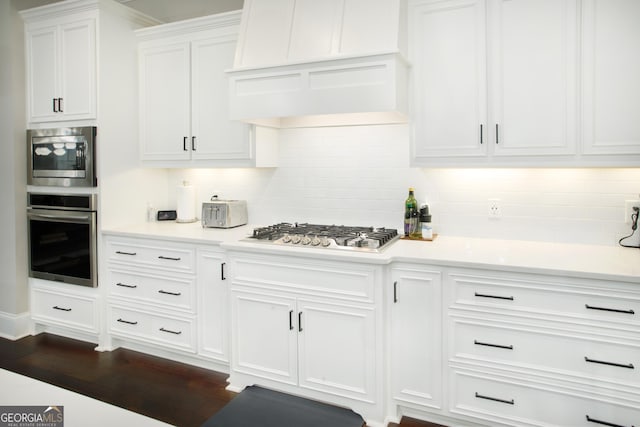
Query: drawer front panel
{"x": 151, "y": 254}
{"x": 490, "y": 293}
{"x": 175, "y": 293}
{"x": 517, "y": 403}
{"x": 67, "y": 310}
{"x": 553, "y": 350}
{"x": 151, "y": 327}
{"x": 355, "y": 282}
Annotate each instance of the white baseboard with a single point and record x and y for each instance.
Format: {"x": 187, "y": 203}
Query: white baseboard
{"x": 15, "y": 326}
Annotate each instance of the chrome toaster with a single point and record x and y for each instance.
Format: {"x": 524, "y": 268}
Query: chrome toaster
{"x": 224, "y": 213}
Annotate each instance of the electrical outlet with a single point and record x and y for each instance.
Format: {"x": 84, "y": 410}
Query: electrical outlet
{"x": 494, "y": 209}
{"x": 628, "y": 209}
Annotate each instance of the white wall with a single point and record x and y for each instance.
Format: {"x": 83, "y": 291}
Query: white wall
{"x": 360, "y": 176}
{"x": 13, "y": 253}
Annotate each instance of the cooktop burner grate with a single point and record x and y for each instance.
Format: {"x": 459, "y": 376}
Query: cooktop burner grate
{"x": 326, "y": 236}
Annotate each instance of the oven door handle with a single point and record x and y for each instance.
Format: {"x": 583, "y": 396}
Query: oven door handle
{"x": 85, "y": 217}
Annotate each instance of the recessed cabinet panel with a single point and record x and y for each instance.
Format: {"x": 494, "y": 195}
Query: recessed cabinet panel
{"x": 213, "y": 135}
{"x": 311, "y": 37}
{"x": 337, "y": 349}
{"x": 77, "y": 70}
{"x": 42, "y": 53}
{"x": 265, "y": 341}
{"x": 416, "y": 343}
{"x": 533, "y": 76}
{"x": 165, "y": 102}
{"x": 610, "y": 84}
{"x": 449, "y": 80}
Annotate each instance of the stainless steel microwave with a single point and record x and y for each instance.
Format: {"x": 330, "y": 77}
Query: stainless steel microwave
{"x": 62, "y": 157}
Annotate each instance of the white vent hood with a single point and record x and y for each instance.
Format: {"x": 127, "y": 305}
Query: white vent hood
{"x": 303, "y": 63}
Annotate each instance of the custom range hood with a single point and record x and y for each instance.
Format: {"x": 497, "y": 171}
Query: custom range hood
{"x": 302, "y": 63}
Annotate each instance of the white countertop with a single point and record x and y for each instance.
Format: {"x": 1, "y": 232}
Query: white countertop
{"x": 579, "y": 260}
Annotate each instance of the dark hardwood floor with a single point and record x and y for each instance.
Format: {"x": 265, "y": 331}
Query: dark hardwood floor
{"x": 175, "y": 393}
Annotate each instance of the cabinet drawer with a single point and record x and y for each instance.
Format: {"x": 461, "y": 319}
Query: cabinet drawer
{"x": 67, "y": 310}
{"x": 151, "y": 327}
{"x": 173, "y": 292}
{"x": 487, "y": 293}
{"x": 516, "y": 402}
{"x": 172, "y": 256}
{"x": 555, "y": 351}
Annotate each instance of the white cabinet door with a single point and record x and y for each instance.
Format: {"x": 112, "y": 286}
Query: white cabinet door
{"x": 42, "y": 73}
{"x": 61, "y": 71}
{"x": 213, "y": 305}
{"x": 265, "y": 336}
{"x": 532, "y": 63}
{"x": 215, "y": 137}
{"x": 337, "y": 349}
{"x": 416, "y": 338}
{"x": 610, "y": 83}
{"x": 78, "y": 70}
{"x": 165, "y": 98}
{"x": 447, "y": 51}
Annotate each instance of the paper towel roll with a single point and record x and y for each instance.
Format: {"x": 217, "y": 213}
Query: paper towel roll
{"x": 186, "y": 211}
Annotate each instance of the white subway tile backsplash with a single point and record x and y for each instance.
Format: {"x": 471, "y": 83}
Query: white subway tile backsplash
{"x": 360, "y": 175}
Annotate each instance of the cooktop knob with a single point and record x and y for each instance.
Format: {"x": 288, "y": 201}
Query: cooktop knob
{"x": 286, "y": 238}
{"x": 296, "y": 239}
{"x": 315, "y": 241}
{"x": 324, "y": 241}
{"x": 306, "y": 240}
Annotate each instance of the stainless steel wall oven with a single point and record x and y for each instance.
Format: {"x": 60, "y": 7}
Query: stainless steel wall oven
{"x": 63, "y": 157}
{"x": 62, "y": 237}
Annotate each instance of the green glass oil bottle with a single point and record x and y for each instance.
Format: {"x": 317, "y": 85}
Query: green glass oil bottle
{"x": 411, "y": 216}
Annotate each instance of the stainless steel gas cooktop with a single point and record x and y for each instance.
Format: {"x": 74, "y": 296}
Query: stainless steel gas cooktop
{"x": 367, "y": 239}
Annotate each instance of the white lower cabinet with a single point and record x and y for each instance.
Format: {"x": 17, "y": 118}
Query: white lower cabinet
{"x": 295, "y": 329}
{"x": 167, "y": 295}
{"x": 71, "y": 307}
{"x": 416, "y": 336}
{"x": 521, "y": 342}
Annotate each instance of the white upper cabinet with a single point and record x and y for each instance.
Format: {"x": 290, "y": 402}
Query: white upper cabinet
{"x": 491, "y": 79}
{"x": 610, "y": 80}
{"x": 449, "y": 79}
{"x": 184, "y": 114}
{"x": 61, "y": 68}
{"x": 532, "y": 68}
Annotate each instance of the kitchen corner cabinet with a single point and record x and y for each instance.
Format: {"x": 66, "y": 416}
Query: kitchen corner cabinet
{"x": 184, "y": 116}
{"x": 493, "y": 80}
{"x": 61, "y": 68}
{"x": 308, "y": 327}
{"x": 415, "y": 340}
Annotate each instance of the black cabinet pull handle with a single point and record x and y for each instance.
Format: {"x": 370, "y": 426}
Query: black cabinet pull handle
{"x": 291, "y": 320}
{"x": 126, "y": 253}
{"x": 184, "y": 143}
{"x": 481, "y": 136}
{"x": 169, "y": 331}
{"x": 395, "y": 292}
{"x": 175, "y": 294}
{"x": 300, "y": 322}
{"x": 55, "y": 307}
{"x": 193, "y": 143}
{"x": 55, "y": 110}
{"x": 604, "y": 423}
{"x": 497, "y": 138}
{"x": 60, "y": 105}
{"x": 492, "y": 296}
{"x": 615, "y": 310}
{"x": 603, "y": 362}
{"x": 127, "y": 322}
{"x": 495, "y": 399}
{"x": 124, "y": 285}
{"x": 169, "y": 258}
{"x": 222, "y": 271}
{"x": 486, "y": 344}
